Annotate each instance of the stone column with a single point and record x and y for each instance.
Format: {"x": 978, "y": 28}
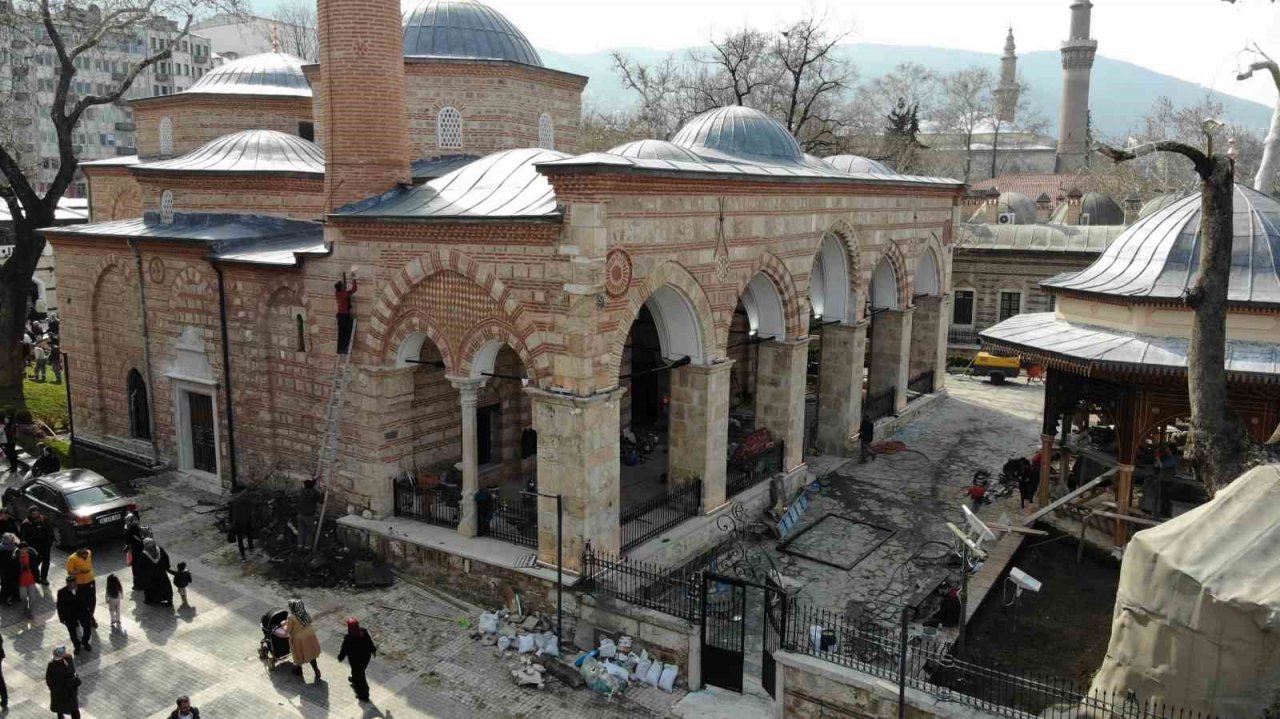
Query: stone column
{"x": 840, "y": 387}
{"x": 699, "y": 428}
{"x": 780, "y": 395}
{"x": 1046, "y": 460}
{"x": 924, "y": 336}
{"x": 468, "y": 391}
{"x": 890, "y": 355}
{"x": 940, "y": 343}
{"x": 578, "y": 459}
{"x": 1124, "y": 496}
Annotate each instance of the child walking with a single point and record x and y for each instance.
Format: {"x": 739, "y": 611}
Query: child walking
{"x": 115, "y": 591}
{"x": 181, "y": 580}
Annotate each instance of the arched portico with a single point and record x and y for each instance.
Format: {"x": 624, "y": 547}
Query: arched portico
{"x": 928, "y": 326}
{"x": 890, "y": 341}
{"x": 840, "y": 337}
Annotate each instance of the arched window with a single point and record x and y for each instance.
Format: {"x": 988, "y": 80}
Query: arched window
{"x": 546, "y": 132}
{"x": 166, "y": 136}
{"x": 449, "y": 128}
{"x": 302, "y": 332}
{"x": 139, "y": 407}
{"x": 166, "y": 207}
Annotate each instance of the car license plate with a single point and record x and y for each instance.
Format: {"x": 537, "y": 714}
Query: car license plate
{"x": 107, "y": 518}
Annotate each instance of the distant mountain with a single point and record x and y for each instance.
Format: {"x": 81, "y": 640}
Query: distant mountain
{"x": 1121, "y": 93}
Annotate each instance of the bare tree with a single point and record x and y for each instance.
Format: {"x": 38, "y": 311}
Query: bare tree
{"x": 72, "y": 35}
{"x": 738, "y": 65}
{"x": 968, "y": 104}
{"x": 603, "y": 130}
{"x": 812, "y": 79}
{"x": 1217, "y": 443}
{"x": 660, "y": 88}
{"x": 1271, "y": 145}
{"x": 294, "y": 27}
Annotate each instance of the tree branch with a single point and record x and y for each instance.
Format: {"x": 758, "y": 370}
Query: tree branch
{"x": 124, "y": 85}
{"x": 1198, "y": 159}
{"x": 19, "y": 186}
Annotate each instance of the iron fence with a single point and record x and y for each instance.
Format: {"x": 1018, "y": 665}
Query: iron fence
{"x": 963, "y": 336}
{"x": 929, "y": 664}
{"x": 673, "y": 592}
{"x": 514, "y": 521}
{"x": 880, "y": 405}
{"x": 761, "y": 467}
{"x": 438, "y": 505}
{"x": 921, "y": 383}
{"x": 655, "y": 516}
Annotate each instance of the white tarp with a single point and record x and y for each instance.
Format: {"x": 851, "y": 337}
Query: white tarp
{"x": 1197, "y": 617}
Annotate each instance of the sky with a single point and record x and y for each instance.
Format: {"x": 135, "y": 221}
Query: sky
{"x": 1196, "y": 40}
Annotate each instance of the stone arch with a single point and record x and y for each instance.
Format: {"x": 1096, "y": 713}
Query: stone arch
{"x": 116, "y": 341}
{"x": 480, "y": 349}
{"x": 885, "y": 287}
{"x": 940, "y": 253}
{"x": 678, "y": 303}
{"x": 190, "y": 294}
{"x": 774, "y": 272}
{"x": 835, "y": 277}
{"x": 896, "y": 261}
{"x": 927, "y": 279}
{"x": 407, "y": 338}
{"x": 126, "y": 204}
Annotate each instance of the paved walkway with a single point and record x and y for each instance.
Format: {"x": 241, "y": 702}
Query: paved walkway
{"x": 427, "y": 665}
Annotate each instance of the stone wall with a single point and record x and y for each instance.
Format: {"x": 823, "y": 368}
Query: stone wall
{"x": 669, "y": 639}
{"x": 297, "y": 197}
{"x": 113, "y": 194}
{"x": 198, "y": 119}
{"x": 987, "y": 272}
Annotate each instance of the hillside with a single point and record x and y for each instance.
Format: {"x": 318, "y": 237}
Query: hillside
{"x": 1121, "y": 92}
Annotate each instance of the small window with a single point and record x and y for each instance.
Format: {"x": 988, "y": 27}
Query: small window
{"x": 962, "y": 308}
{"x": 307, "y": 131}
{"x": 449, "y": 128}
{"x": 488, "y": 434}
{"x": 546, "y": 132}
{"x": 1053, "y": 303}
{"x": 302, "y": 332}
{"x": 1010, "y": 304}
{"x": 139, "y": 407}
{"x": 166, "y": 207}
{"x": 166, "y": 135}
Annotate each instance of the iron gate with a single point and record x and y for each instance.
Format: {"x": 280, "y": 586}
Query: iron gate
{"x": 724, "y": 631}
{"x": 776, "y": 606}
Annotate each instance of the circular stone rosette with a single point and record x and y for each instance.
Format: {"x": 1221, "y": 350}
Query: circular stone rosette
{"x": 617, "y": 273}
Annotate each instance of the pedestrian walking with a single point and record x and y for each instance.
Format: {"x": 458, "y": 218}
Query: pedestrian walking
{"x": 304, "y": 645}
{"x": 42, "y": 362}
{"x": 240, "y": 516}
{"x": 38, "y": 532}
{"x": 134, "y": 535}
{"x": 64, "y": 685}
{"x": 4, "y": 688}
{"x": 182, "y": 580}
{"x": 866, "y": 435}
{"x": 185, "y": 710}
{"x": 342, "y": 298}
{"x": 28, "y": 565}
{"x": 80, "y": 566}
{"x": 153, "y": 571}
{"x": 8, "y": 524}
{"x": 9, "y": 568}
{"x": 357, "y": 649}
{"x": 309, "y": 500}
{"x": 115, "y": 593}
{"x": 71, "y": 614}
{"x": 55, "y": 361}
{"x": 9, "y": 438}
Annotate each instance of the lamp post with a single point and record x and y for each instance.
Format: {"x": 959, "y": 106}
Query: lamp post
{"x": 559, "y": 559}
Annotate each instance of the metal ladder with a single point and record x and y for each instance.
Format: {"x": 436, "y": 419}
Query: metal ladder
{"x": 332, "y": 425}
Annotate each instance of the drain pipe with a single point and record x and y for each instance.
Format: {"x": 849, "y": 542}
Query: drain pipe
{"x": 226, "y": 371}
{"x": 146, "y": 350}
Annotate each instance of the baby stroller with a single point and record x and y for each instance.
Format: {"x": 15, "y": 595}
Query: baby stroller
{"x": 273, "y": 649}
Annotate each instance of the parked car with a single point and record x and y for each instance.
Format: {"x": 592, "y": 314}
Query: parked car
{"x": 82, "y": 505}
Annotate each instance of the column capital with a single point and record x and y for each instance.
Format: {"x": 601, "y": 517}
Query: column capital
{"x": 573, "y": 400}
{"x": 715, "y": 367}
{"x": 467, "y": 385}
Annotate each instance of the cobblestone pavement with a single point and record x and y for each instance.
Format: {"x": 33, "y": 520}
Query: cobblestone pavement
{"x": 427, "y": 665}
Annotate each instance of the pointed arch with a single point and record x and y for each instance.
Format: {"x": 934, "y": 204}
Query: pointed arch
{"x": 681, "y": 308}
{"x": 480, "y": 349}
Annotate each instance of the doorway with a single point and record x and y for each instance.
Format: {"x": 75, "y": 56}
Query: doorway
{"x": 204, "y": 449}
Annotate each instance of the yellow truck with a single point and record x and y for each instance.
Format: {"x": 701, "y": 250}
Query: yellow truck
{"x": 996, "y": 368}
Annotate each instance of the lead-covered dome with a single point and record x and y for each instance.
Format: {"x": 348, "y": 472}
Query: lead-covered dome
{"x": 654, "y": 150}
{"x": 464, "y": 29}
{"x": 1013, "y": 208}
{"x": 271, "y": 73}
{"x": 739, "y": 133}
{"x": 1158, "y": 258}
{"x": 250, "y": 151}
{"x": 858, "y": 165}
{"x": 1096, "y": 208}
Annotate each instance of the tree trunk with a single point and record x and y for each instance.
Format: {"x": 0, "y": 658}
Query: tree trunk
{"x": 1218, "y": 442}
{"x": 15, "y": 289}
{"x": 1270, "y": 154}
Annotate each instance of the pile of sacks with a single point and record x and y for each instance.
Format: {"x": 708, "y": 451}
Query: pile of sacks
{"x": 529, "y": 635}
{"x": 611, "y": 668}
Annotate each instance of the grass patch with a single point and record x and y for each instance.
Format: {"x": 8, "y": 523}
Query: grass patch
{"x": 46, "y": 402}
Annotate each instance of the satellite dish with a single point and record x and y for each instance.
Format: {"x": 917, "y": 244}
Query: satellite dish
{"x": 977, "y": 526}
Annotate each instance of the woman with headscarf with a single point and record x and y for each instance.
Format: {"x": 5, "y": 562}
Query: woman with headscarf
{"x": 133, "y": 537}
{"x": 357, "y": 649}
{"x": 304, "y": 645}
{"x": 153, "y": 570}
{"x": 64, "y": 685}
{"x": 9, "y": 569}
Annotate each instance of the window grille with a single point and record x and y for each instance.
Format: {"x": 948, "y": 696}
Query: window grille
{"x": 449, "y": 128}
{"x": 546, "y": 132}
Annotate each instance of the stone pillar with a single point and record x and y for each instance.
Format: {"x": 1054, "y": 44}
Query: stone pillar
{"x": 578, "y": 459}
{"x": 780, "y": 381}
{"x": 840, "y": 387}
{"x": 890, "y": 354}
{"x": 468, "y": 391}
{"x": 1124, "y": 496}
{"x": 924, "y": 336}
{"x": 1046, "y": 460}
{"x": 940, "y": 343}
{"x": 699, "y": 428}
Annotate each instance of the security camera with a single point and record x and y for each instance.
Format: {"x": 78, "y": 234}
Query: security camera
{"x": 1024, "y": 580}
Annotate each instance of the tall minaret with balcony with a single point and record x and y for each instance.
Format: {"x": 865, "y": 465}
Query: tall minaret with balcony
{"x": 1077, "y": 64}
{"x": 1007, "y": 90}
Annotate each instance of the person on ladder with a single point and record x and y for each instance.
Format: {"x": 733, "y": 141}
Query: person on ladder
{"x": 342, "y": 295}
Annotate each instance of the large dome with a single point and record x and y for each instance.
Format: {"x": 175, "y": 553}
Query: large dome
{"x": 271, "y": 73}
{"x": 1158, "y": 258}
{"x": 249, "y": 151}
{"x": 654, "y": 150}
{"x": 1010, "y": 203}
{"x": 464, "y": 29}
{"x": 739, "y": 133}
{"x": 858, "y": 165}
{"x": 1096, "y": 208}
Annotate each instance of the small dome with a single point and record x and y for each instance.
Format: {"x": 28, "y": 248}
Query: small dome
{"x": 1096, "y": 207}
{"x": 1158, "y": 257}
{"x": 739, "y": 133}
{"x": 1010, "y": 203}
{"x": 464, "y": 29}
{"x": 1157, "y": 203}
{"x": 654, "y": 150}
{"x": 248, "y": 151}
{"x": 271, "y": 73}
{"x": 858, "y": 165}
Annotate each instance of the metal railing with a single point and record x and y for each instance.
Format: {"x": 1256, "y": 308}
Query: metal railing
{"x": 514, "y": 521}
{"x": 757, "y": 469}
{"x": 647, "y": 585}
{"x": 929, "y": 665}
{"x": 880, "y": 405}
{"x": 655, "y": 516}
{"x": 439, "y": 505}
{"x": 963, "y": 336}
{"x": 921, "y": 383}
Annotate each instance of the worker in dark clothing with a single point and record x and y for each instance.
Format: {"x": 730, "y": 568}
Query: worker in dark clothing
{"x": 308, "y": 507}
{"x": 357, "y": 649}
{"x": 47, "y": 463}
{"x": 342, "y": 296}
{"x": 866, "y": 433}
{"x": 38, "y": 532}
{"x": 73, "y": 613}
{"x": 240, "y": 517}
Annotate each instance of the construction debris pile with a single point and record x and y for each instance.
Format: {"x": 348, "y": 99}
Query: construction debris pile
{"x": 612, "y": 667}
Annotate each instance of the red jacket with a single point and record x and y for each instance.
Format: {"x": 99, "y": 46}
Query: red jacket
{"x": 344, "y": 297}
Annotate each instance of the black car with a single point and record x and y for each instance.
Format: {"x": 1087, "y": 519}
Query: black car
{"x": 82, "y": 505}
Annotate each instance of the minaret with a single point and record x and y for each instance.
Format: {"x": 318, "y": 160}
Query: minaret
{"x": 1077, "y": 63}
{"x": 1007, "y": 90}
